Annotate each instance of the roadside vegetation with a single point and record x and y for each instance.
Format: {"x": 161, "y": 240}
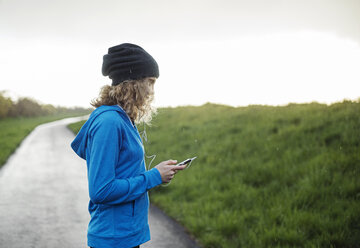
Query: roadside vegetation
{"x": 19, "y": 118}
{"x": 265, "y": 176}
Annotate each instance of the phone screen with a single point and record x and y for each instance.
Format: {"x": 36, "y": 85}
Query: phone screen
{"x": 186, "y": 161}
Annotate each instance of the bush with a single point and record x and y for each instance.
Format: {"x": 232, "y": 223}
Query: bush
{"x": 28, "y": 107}
{"x": 5, "y": 105}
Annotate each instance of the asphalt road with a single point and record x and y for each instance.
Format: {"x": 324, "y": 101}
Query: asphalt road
{"x": 44, "y": 196}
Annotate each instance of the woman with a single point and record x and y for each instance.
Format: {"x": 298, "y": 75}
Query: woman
{"x": 111, "y": 145}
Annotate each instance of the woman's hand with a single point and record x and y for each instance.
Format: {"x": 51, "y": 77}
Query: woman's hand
{"x": 168, "y": 169}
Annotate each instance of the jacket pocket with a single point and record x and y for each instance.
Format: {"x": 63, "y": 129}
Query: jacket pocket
{"x": 123, "y": 218}
{"x": 126, "y": 209}
{"x": 141, "y": 204}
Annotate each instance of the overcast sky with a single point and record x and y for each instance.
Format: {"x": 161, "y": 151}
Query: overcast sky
{"x": 230, "y": 52}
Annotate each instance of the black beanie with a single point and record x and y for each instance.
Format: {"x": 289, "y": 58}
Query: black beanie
{"x": 128, "y": 61}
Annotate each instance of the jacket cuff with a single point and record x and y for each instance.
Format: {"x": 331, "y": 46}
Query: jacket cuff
{"x": 154, "y": 178}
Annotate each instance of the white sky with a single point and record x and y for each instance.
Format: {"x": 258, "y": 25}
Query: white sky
{"x": 229, "y": 52}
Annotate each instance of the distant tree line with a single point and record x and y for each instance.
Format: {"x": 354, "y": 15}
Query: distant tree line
{"x": 28, "y": 107}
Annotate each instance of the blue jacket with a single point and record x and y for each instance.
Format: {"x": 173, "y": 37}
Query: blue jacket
{"x": 117, "y": 177}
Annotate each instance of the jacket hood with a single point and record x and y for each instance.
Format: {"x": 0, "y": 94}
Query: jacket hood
{"x": 80, "y": 141}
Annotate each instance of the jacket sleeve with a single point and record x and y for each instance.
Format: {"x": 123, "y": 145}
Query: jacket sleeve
{"x": 104, "y": 188}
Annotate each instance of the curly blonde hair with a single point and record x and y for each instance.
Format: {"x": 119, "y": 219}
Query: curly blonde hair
{"x": 134, "y": 96}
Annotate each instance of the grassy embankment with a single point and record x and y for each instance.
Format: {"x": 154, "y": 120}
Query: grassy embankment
{"x": 265, "y": 176}
{"x": 14, "y": 130}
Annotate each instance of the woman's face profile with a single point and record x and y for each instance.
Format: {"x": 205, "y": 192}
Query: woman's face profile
{"x": 151, "y": 83}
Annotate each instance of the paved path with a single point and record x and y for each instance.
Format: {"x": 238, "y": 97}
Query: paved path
{"x": 44, "y": 197}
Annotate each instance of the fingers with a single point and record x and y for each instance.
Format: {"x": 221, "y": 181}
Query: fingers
{"x": 170, "y": 162}
{"x": 169, "y": 178}
{"x": 168, "y": 169}
{"x": 179, "y": 167}
{"x": 171, "y": 173}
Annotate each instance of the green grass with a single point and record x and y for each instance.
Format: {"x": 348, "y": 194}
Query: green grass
{"x": 75, "y": 127}
{"x": 14, "y": 130}
{"x": 265, "y": 176}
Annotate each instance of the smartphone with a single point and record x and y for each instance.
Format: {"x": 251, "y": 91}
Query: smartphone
{"x": 186, "y": 161}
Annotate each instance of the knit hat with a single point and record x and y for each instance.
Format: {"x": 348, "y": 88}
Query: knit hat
{"x": 128, "y": 61}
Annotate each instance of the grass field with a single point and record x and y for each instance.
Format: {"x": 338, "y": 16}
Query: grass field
{"x": 265, "y": 176}
{"x": 14, "y": 130}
